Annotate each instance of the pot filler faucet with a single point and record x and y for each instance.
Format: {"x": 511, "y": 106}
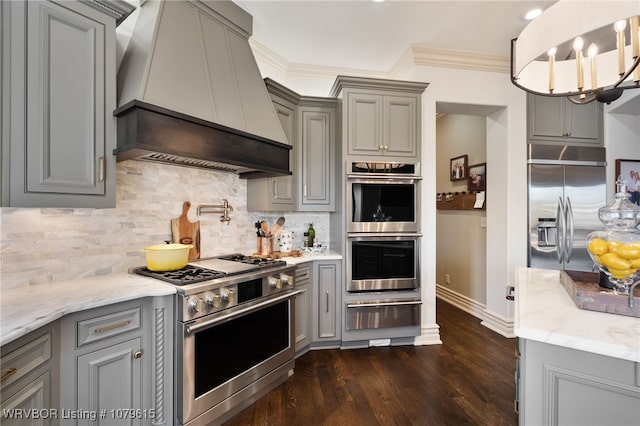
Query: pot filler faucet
{"x": 223, "y": 208}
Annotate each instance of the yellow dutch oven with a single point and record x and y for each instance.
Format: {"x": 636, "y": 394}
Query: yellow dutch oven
{"x": 167, "y": 257}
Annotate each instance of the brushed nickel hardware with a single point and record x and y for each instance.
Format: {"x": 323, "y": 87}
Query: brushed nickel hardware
{"x": 223, "y": 208}
{"x": 10, "y": 372}
{"x": 137, "y": 355}
{"x": 112, "y": 326}
{"x": 101, "y": 169}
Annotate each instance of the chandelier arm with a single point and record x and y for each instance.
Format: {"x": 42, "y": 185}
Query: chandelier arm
{"x": 589, "y": 97}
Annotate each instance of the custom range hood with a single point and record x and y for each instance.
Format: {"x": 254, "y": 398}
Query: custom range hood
{"x": 190, "y": 92}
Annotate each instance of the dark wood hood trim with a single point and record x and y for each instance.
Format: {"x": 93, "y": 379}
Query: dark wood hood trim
{"x": 145, "y": 129}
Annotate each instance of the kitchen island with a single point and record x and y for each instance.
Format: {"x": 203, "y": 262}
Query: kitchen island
{"x": 575, "y": 366}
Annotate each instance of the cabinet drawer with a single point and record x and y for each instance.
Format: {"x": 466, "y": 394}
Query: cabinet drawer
{"x": 25, "y": 359}
{"x": 303, "y": 272}
{"x": 382, "y": 314}
{"x": 95, "y": 329}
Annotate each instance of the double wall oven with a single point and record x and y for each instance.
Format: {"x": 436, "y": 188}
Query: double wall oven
{"x": 382, "y": 289}
{"x": 234, "y": 335}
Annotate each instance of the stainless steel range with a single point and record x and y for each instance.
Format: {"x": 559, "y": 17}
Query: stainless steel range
{"x": 234, "y": 334}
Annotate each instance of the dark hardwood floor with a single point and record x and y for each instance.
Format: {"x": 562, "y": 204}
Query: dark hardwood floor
{"x": 469, "y": 379}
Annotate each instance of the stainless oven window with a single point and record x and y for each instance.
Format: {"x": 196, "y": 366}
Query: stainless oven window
{"x": 233, "y": 347}
{"x": 379, "y": 262}
{"x": 381, "y": 259}
{"x": 383, "y": 202}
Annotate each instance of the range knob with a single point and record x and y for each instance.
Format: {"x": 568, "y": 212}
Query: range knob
{"x": 287, "y": 279}
{"x": 197, "y": 304}
{"x": 275, "y": 282}
{"x": 231, "y": 297}
{"x": 214, "y": 300}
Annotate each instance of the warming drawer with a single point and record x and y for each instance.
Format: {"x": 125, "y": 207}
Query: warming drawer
{"x": 376, "y": 314}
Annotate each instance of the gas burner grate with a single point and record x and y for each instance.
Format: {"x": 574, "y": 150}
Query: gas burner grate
{"x": 253, "y": 260}
{"x": 187, "y": 275}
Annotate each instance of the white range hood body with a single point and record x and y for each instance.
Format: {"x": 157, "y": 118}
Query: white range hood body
{"x": 194, "y": 57}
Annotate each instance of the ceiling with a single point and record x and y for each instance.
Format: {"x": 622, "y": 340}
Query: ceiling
{"x": 362, "y": 34}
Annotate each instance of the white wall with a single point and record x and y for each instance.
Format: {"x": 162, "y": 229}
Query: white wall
{"x": 460, "y": 237}
{"x": 505, "y": 108}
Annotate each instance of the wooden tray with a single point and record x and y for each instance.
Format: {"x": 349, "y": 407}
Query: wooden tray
{"x": 587, "y": 294}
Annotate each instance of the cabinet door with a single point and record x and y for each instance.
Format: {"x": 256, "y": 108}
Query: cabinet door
{"x": 303, "y": 317}
{"x": 400, "y": 126}
{"x": 62, "y": 94}
{"x": 557, "y": 120}
{"x": 584, "y": 122}
{"x": 365, "y": 124}
{"x": 326, "y": 322}
{"x": 277, "y": 193}
{"x": 110, "y": 379}
{"x": 546, "y": 117}
{"x": 32, "y": 398}
{"x": 316, "y": 142}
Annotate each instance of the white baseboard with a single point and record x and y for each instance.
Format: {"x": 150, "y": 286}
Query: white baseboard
{"x": 489, "y": 319}
{"x": 429, "y": 335}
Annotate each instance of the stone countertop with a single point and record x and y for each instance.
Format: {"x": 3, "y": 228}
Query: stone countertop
{"x": 545, "y": 312}
{"x": 25, "y": 309}
{"x": 310, "y": 257}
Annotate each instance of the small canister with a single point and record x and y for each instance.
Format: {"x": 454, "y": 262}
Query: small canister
{"x": 266, "y": 246}
{"x": 286, "y": 241}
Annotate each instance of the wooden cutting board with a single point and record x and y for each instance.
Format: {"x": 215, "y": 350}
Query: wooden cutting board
{"x": 185, "y": 232}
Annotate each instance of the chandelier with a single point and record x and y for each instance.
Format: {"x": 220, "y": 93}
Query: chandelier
{"x": 581, "y": 50}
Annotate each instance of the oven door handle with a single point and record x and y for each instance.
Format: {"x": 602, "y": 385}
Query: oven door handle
{"x": 374, "y": 304}
{"x": 192, "y": 328}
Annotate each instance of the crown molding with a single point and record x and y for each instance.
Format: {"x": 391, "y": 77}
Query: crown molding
{"x": 416, "y": 55}
{"x": 458, "y": 59}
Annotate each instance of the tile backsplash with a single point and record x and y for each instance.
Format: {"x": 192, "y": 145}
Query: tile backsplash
{"x": 48, "y": 245}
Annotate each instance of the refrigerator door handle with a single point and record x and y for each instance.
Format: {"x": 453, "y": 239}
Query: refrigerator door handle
{"x": 561, "y": 233}
{"x": 569, "y": 245}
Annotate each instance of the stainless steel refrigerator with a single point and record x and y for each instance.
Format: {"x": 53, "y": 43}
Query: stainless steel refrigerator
{"x": 566, "y": 188}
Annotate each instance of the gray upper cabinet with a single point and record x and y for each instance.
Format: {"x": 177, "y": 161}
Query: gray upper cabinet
{"x": 310, "y": 126}
{"x": 58, "y": 98}
{"x": 316, "y": 154}
{"x": 380, "y": 117}
{"x": 557, "y": 120}
{"x": 278, "y": 193}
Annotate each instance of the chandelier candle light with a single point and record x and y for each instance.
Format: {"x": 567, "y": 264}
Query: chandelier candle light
{"x": 548, "y": 49}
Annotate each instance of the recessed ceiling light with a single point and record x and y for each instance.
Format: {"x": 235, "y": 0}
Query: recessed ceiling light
{"x": 378, "y": 1}
{"x": 532, "y": 14}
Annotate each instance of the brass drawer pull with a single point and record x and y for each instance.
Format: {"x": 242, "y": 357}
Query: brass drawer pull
{"x": 113, "y": 326}
{"x": 10, "y": 372}
{"x": 137, "y": 355}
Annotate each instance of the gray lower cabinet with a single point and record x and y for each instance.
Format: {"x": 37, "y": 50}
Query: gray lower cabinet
{"x": 29, "y": 379}
{"x": 59, "y": 92}
{"x": 304, "y": 307}
{"x": 557, "y": 120}
{"x": 327, "y": 295}
{"x": 564, "y": 386}
{"x": 116, "y": 362}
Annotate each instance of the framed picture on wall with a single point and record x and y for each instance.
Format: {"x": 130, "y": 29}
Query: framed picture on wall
{"x": 458, "y": 168}
{"x": 477, "y": 177}
{"x": 630, "y": 172}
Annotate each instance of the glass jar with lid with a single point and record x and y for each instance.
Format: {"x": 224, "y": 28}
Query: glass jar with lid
{"x": 616, "y": 249}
